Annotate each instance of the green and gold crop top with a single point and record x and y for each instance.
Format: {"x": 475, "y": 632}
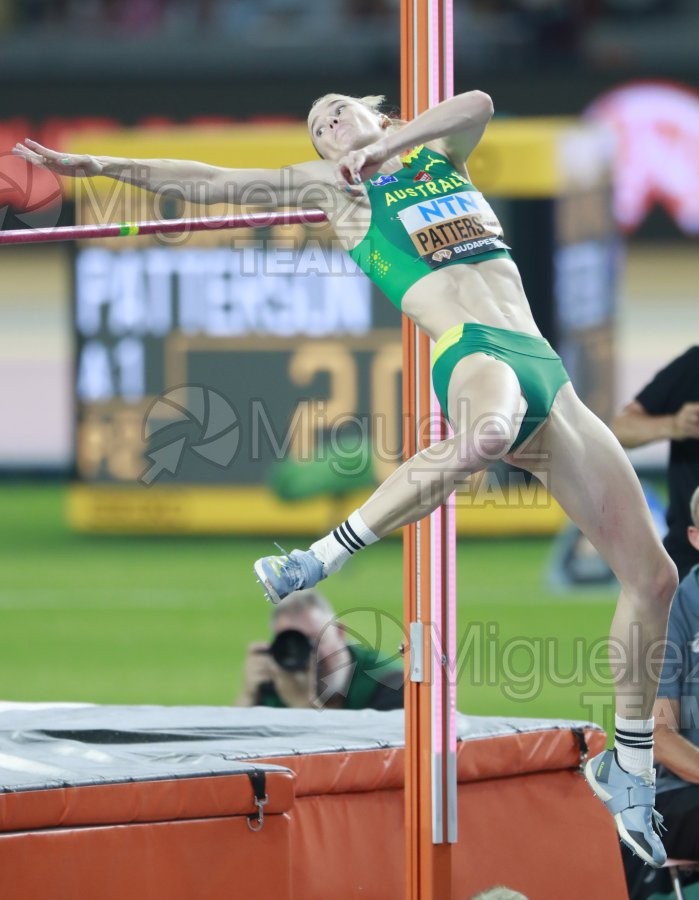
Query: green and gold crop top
{"x": 424, "y": 217}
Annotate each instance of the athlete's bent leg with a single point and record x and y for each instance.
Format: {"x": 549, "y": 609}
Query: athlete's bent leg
{"x": 485, "y": 409}
{"x": 589, "y": 474}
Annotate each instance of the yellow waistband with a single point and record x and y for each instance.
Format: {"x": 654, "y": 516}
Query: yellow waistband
{"x": 450, "y": 337}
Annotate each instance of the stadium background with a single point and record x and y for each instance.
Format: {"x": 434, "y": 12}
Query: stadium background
{"x": 164, "y": 619}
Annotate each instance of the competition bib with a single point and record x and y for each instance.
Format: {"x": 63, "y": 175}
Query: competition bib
{"x": 453, "y": 226}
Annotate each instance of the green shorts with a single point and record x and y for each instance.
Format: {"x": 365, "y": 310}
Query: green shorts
{"x": 538, "y": 368}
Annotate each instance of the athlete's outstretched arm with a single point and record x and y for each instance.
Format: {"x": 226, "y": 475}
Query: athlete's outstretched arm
{"x": 196, "y": 182}
{"x": 458, "y": 122}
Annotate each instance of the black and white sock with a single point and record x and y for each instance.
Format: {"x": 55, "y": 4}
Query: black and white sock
{"x": 633, "y": 744}
{"x": 336, "y": 548}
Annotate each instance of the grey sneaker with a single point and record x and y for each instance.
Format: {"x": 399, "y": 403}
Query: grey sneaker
{"x": 281, "y": 575}
{"x": 630, "y": 799}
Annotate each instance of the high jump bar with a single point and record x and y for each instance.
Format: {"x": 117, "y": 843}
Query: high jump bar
{"x": 164, "y": 226}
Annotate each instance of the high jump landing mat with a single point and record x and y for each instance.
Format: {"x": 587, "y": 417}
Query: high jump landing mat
{"x": 158, "y": 803}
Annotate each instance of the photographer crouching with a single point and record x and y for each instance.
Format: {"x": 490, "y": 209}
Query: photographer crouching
{"x": 310, "y": 663}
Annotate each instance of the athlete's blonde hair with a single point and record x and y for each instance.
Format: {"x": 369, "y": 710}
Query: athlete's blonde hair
{"x": 374, "y": 102}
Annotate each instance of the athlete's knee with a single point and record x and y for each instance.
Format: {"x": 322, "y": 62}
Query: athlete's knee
{"x": 667, "y": 580}
{"x": 663, "y": 578}
{"x": 475, "y": 447}
{"x": 656, "y": 579}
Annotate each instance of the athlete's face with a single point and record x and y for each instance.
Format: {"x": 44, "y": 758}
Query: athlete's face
{"x": 338, "y": 124}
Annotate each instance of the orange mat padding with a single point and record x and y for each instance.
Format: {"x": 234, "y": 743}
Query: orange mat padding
{"x": 143, "y": 802}
{"x": 333, "y": 828}
{"x": 526, "y": 818}
{"x": 197, "y": 859}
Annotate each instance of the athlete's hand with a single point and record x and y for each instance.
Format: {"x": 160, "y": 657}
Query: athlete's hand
{"x": 687, "y": 422}
{"x": 359, "y": 165}
{"x": 76, "y": 166}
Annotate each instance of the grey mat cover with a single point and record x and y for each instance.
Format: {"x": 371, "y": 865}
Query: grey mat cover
{"x": 44, "y": 746}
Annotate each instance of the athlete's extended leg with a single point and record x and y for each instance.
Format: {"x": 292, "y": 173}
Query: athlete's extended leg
{"x": 588, "y": 473}
{"x": 485, "y": 409}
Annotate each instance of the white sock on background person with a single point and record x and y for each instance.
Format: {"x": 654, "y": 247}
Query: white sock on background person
{"x": 335, "y": 548}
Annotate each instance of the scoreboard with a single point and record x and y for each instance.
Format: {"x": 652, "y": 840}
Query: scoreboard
{"x": 288, "y": 341}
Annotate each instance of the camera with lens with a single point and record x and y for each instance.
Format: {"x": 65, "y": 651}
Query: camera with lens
{"x": 291, "y": 650}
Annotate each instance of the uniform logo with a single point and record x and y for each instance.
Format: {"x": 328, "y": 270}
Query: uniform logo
{"x": 422, "y": 175}
{"x": 695, "y": 643}
{"x": 441, "y": 255}
{"x": 442, "y": 208}
{"x": 383, "y": 180}
{"x": 434, "y": 162}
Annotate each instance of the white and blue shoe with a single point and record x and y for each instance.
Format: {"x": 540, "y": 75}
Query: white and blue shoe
{"x": 630, "y": 799}
{"x": 282, "y": 575}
